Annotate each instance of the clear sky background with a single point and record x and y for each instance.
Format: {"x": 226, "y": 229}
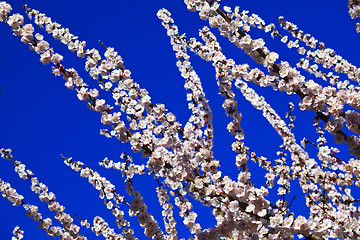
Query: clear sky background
{"x": 41, "y": 119}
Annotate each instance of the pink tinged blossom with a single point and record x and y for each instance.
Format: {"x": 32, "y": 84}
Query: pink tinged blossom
{"x": 15, "y": 21}
{"x": 32, "y": 212}
{"x": 333, "y": 126}
{"x": 281, "y": 191}
{"x": 241, "y": 159}
{"x": 109, "y": 205}
{"x": 94, "y": 93}
{"x": 55, "y": 207}
{"x": 306, "y": 103}
{"x": 41, "y": 47}
{"x": 250, "y": 208}
{"x": 288, "y": 221}
{"x": 5, "y": 9}
{"x": 54, "y": 231}
{"x": 115, "y": 75}
{"x": 56, "y": 58}
{"x": 90, "y": 63}
{"x": 234, "y": 206}
{"x": 257, "y": 44}
{"x": 83, "y": 94}
{"x": 46, "y": 197}
{"x": 103, "y": 69}
{"x": 45, "y": 223}
{"x": 284, "y": 39}
{"x": 271, "y": 58}
{"x": 69, "y": 82}
{"x": 10, "y": 193}
{"x": 85, "y": 172}
{"x": 108, "y": 86}
{"x": 45, "y": 58}
{"x": 27, "y": 33}
{"x": 323, "y": 153}
{"x": 80, "y": 53}
{"x": 354, "y": 11}
{"x": 301, "y": 225}
{"x": 245, "y": 42}
{"x": 276, "y": 221}
{"x": 56, "y": 71}
{"x": 324, "y": 225}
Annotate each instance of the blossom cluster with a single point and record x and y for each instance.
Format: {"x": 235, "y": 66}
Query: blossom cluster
{"x": 354, "y": 11}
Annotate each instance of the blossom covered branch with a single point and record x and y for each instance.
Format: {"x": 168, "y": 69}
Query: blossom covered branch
{"x": 180, "y": 157}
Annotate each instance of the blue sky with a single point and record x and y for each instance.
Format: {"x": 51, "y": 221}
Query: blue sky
{"x": 41, "y": 118}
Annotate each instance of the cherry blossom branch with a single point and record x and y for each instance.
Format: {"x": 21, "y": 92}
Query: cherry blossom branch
{"x": 107, "y": 190}
{"x": 101, "y": 227}
{"x": 32, "y": 211}
{"x": 291, "y": 80}
{"x": 69, "y": 228}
